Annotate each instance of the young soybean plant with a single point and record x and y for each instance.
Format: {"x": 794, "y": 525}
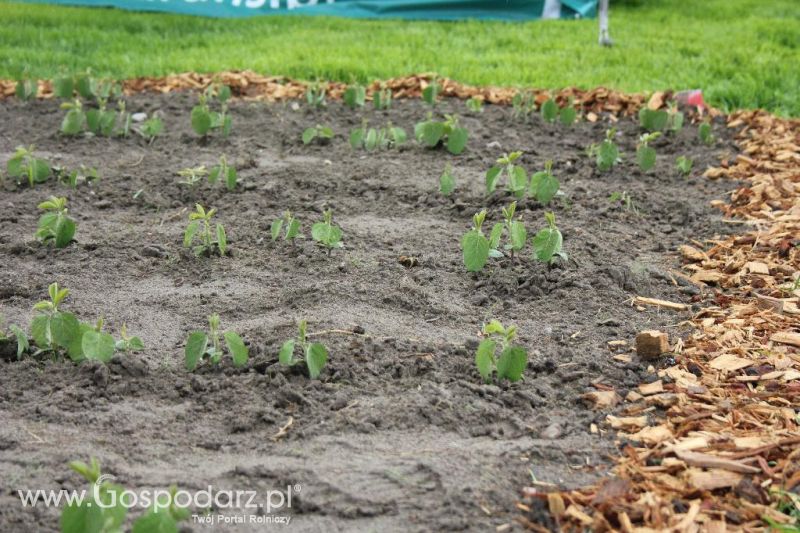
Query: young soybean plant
{"x": 372, "y": 139}
{"x": 204, "y": 119}
{"x": 675, "y": 118}
{"x": 523, "y": 103}
{"x": 515, "y": 229}
{"x": 475, "y": 245}
{"x": 447, "y": 181}
{"x": 23, "y": 164}
{"x": 314, "y": 353}
{"x": 198, "y": 346}
{"x": 568, "y": 115}
{"x": 150, "y": 129}
{"x": 652, "y": 119}
{"x": 192, "y": 176}
{"x": 646, "y": 154}
{"x": 326, "y": 233}
{"x": 549, "y": 110}
{"x": 26, "y": 88}
{"x": 516, "y": 176}
{"x": 513, "y": 359}
{"x": 431, "y": 133}
{"x": 382, "y": 98}
{"x": 684, "y": 165}
{"x": 475, "y": 104}
{"x": 547, "y": 244}
{"x": 606, "y": 153}
{"x": 55, "y": 330}
{"x": 323, "y": 134}
{"x": 355, "y": 96}
{"x": 705, "y": 134}
{"x": 199, "y": 229}
{"x": 55, "y": 225}
{"x": 105, "y": 512}
{"x": 544, "y": 185}
{"x": 315, "y": 95}
{"x": 223, "y": 171}
{"x": 292, "y": 227}
{"x": 430, "y": 94}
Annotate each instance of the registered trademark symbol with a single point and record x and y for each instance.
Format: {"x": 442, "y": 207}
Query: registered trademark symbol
{"x": 297, "y": 487}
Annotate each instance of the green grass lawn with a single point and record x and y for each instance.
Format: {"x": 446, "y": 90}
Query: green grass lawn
{"x": 742, "y": 53}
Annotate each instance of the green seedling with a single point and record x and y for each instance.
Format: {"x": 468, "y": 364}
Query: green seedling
{"x": 653, "y": 119}
{"x": 705, "y": 134}
{"x": 447, "y": 182}
{"x": 90, "y": 88}
{"x": 382, "y": 98}
{"x": 151, "y": 128}
{"x": 100, "y": 121}
{"x": 204, "y": 119}
{"x": 355, "y": 96}
{"x": 315, "y": 95}
{"x": 27, "y": 88}
{"x": 19, "y": 335}
{"x": 517, "y": 235}
{"x": 64, "y": 86}
{"x": 323, "y": 134}
{"x": 82, "y": 174}
{"x": 208, "y": 345}
{"x": 513, "y": 359}
{"x": 57, "y": 331}
{"x": 315, "y": 354}
{"x": 475, "y": 104}
{"x": 430, "y": 94}
{"x": 544, "y": 185}
{"x": 74, "y": 120}
{"x": 606, "y": 153}
{"x": 373, "y": 139}
{"x": 124, "y": 119}
{"x": 55, "y": 225}
{"x": 549, "y": 110}
{"x": 475, "y": 246}
{"x": 326, "y": 233}
{"x": 626, "y": 200}
{"x": 431, "y": 133}
{"x": 23, "y": 164}
{"x": 128, "y": 344}
{"x": 523, "y": 104}
{"x": 104, "y": 509}
{"x": 646, "y": 154}
{"x": 223, "y": 171}
{"x": 684, "y": 165}
{"x": 199, "y": 229}
{"x": 547, "y": 244}
{"x": 103, "y": 512}
{"x": 289, "y": 224}
{"x": 192, "y": 176}
{"x": 675, "y": 118}
{"x": 568, "y": 114}
{"x": 516, "y": 176}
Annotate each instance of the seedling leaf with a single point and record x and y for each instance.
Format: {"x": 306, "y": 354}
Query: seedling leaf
{"x": 196, "y": 346}
{"x": 98, "y": 345}
{"x": 475, "y": 248}
{"x": 511, "y": 363}
{"x": 236, "y": 347}
{"x": 484, "y": 359}
{"x": 316, "y": 357}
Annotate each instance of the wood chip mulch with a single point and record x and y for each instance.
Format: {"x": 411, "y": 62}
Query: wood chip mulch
{"x": 713, "y": 442}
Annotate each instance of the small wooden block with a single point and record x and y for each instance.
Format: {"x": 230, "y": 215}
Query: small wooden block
{"x": 651, "y": 343}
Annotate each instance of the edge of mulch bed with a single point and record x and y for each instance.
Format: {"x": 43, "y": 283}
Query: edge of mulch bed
{"x": 713, "y": 442}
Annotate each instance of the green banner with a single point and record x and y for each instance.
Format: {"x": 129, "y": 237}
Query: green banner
{"x": 406, "y": 9}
